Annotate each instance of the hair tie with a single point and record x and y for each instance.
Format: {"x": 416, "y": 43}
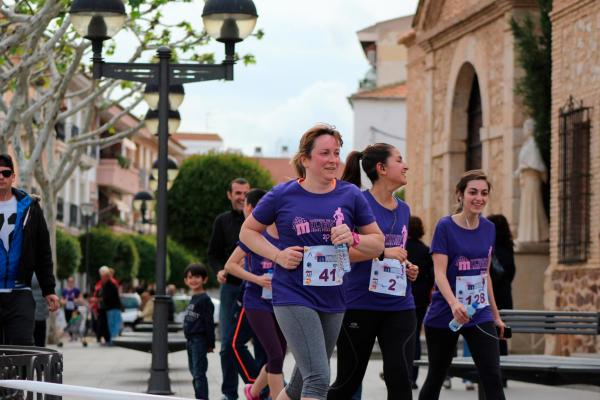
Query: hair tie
{"x": 360, "y": 155}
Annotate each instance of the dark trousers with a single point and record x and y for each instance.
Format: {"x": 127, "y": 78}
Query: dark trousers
{"x": 39, "y": 333}
{"x": 197, "y": 347}
{"x": 395, "y": 332}
{"x": 227, "y": 311}
{"x": 247, "y": 366}
{"x": 17, "y": 310}
{"x": 103, "y": 325}
{"x": 420, "y": 311}
{"x": 441, "y": 347}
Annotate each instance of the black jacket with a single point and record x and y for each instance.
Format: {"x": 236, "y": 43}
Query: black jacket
{"x": 503, "y": 275}
{"x": 198, "y": 320}
{"x": 223, "y": 240}
{"x": 36, "y": 253}
{"x": 418, "y": 254}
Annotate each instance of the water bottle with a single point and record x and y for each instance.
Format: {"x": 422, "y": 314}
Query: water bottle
{"x": 471, "y": 309}
{"x": 342, "y": 256}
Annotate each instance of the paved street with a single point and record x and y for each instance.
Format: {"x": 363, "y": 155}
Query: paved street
{"x": 122, "y": 369}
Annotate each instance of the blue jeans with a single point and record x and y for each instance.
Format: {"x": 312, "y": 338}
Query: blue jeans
{"x": 227, "y": 311}
{"x": 198, "y": 363}
{"x": 114, "y": 322}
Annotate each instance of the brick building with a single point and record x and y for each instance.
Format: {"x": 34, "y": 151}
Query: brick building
{"x": 463, "y": 113}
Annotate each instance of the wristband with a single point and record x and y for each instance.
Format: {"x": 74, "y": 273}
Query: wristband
{"x": 356, "y": 238}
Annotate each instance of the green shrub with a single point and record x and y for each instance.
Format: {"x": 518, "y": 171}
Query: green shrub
{"x": 68, "y": 254}
{"x": 113, "y": 250}
{"x": 180, "y": 258}
{"x": 146, "y": 247}
{"x": 199, "y": 194}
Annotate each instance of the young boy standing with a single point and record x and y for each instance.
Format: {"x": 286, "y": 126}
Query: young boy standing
{"x": 199, "y": 327}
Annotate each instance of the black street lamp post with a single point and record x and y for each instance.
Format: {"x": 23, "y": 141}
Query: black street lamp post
{"x": 87, "y": 211}
{"x": 228, "y": 21}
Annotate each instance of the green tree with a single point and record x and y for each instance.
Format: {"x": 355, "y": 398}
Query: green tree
{"x": 116, "y": 251}
{"x": 534, "y": 49}
{"x": 199, "y": 194}
{"x": 146, "y": 247}
{"x": 180, "y": 258}
{"x": 68, "y": 254}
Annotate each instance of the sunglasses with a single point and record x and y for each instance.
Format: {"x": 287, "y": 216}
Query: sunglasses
{"x": 7, "y": 173}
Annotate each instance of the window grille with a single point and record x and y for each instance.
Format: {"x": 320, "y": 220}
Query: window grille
{"x": 574, "y": 182}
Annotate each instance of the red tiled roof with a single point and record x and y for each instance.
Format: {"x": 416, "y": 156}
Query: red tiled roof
{"x": 395, "y": 91}
{"x": 281, "y": 170}
{"x": 214, "y": 137}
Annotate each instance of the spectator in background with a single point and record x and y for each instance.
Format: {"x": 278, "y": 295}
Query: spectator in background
{"x": 503, "y": 268}
{"x": 25, "y": 250}
{"x": 418, "y": 254}
{"x": 110, "y": 302}
{"x": 171, "y": 291}
{"x": 223, "y": 240}
{"x": 147, "y": 309}
{"x": 68, "y": 297}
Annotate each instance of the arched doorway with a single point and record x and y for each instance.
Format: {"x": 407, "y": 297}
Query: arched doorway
{"x": 474, "y": 124}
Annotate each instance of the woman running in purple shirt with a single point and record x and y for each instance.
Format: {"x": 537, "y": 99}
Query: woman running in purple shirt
{"x": 378, "y": 294}
{"x": 312, "y": 215}
{"x": 462, "y": 252}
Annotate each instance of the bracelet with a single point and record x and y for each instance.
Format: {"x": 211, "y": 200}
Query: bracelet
{"x": 355, "y": 239}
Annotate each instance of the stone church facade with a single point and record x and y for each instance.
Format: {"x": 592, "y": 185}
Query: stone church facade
{"x": 463, "y": 113}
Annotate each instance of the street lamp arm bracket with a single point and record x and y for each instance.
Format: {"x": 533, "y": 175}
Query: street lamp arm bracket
{"x": 186, "y": 73}
{"x": 139, "y": 72}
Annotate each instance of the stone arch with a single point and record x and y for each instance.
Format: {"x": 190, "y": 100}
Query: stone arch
{"x": 468, "y": 64}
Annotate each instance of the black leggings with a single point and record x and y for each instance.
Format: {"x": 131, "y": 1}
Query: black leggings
{"x": 266, "y": 329}
{"x": 395, "y": 332}
{"x": 441, "y": 344}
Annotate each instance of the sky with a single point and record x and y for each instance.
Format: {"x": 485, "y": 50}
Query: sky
{"x": 308, "y": 63}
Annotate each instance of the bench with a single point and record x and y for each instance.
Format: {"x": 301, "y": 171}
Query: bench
{"x": 142, "y": 341}
{"x": 149, "y": 327}
{"x": 541, "y": 369}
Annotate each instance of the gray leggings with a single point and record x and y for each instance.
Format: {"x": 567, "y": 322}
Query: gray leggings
{"x": 311, "y": 336}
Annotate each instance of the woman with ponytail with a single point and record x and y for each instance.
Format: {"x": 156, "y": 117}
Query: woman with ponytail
{"x": 379, "y": 302}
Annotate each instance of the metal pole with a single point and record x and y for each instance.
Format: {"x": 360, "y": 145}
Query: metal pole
{"x": 159, "y": 382}
{"x": 89, "y": 283}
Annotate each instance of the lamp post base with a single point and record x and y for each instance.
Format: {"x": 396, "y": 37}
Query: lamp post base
{"x": 159, "y": 383}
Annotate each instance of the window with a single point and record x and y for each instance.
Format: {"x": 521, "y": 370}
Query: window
{"x": 60, "y": 131}
{"x": 574, "y": 182}
{"x": 73, "y": 215}
{"x": 474, "y": 124}
{"x": 60, "y": 209}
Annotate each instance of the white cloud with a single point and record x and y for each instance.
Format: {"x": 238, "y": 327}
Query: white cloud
{"x": 308, "y": 63}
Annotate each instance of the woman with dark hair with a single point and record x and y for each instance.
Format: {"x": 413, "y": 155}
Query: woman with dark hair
{"x": 503, "y": 268}
{"x": 418, "y": 253}
{"x": 379, "y": 301}
{"x": 317, "y": 217}
{"x": 463, "y": 302}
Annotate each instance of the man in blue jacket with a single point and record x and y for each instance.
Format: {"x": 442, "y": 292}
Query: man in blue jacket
{"x": 24, "y": 249}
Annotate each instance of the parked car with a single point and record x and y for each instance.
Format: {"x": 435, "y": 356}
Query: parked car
{"x": 131, "y": 305}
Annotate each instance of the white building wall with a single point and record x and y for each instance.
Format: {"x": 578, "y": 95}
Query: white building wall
{"x": 372, "y": 117}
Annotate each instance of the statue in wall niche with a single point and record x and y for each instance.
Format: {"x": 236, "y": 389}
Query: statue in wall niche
{"x": 532, "y": 172}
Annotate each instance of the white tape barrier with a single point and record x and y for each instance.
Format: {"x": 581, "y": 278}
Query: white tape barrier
{"x": 80, "y": 392}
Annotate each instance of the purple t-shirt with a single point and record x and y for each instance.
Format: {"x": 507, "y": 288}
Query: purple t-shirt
{"x": 258, "y": 265}
{"x": 305, "y": 219}
{"x": 394, "y": 225}
{"x": 70, "y": 295}
{"x": 468, "y": 251}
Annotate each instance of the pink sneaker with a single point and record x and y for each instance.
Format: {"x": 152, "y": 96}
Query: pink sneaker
{"x": 248, "y": 393}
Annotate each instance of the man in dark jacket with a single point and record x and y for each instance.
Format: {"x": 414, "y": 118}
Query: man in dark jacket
{"x": 223, "y": 240}
{"x": 24, "y": 249}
